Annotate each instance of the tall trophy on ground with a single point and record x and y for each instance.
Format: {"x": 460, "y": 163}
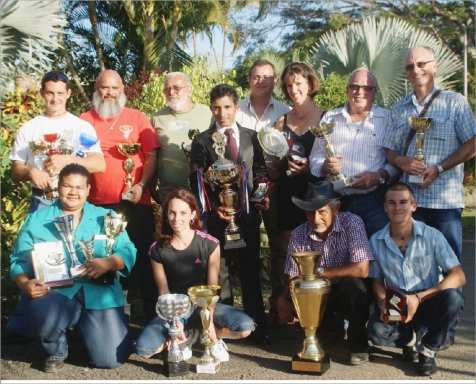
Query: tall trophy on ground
{"x": 205, "y": 296}
{"x": 225, "y": 173}
{"x": 322, "y": 131}
{"x": 420, "y": 125}
{"x": 128, "y": 150}
{"x": 309, "y": 293}
{"x": 188, "y": 148}
{"x": 65, "y": 226}
{"x": 171, "y": 308}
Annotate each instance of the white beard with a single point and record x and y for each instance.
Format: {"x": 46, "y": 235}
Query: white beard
{"x": 106, "y": 109}
{"x": 177, "y": 104}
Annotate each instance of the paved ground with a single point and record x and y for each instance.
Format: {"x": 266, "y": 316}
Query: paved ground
{"x": 249, "y": 362}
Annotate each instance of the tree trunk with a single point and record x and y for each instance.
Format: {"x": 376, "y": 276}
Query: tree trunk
{"x": 69, "y": 62}
{"x": 223, "y": 55}
{"x": 195, "y": 50}
{"x": 149, "y": 33}
{"x": 212, "y": 42}
{"x": 97, "y": 41}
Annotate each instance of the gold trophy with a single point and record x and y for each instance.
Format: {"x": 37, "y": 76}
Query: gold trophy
{"x": 205, "y": 296}
{"x": 322, "y": 131}
{"x": 224, "y": 173}
{"x": 188, "y": 148}
{"x": 309, "y": 294}
{"x": 114, "y": 225}
{"x": 128, "y": 150}
{"x": 420, "y": 125}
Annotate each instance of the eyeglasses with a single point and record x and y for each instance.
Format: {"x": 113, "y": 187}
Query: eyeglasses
{"x": 262, "y": 78}
{"x": 54, "y": 76}
{"x": 356, "y": 87}
{"x": 176, "y": 88}
{"x": 420, "y": 64}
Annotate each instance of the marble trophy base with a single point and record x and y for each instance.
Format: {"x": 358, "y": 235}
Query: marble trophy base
{"x": 179, "y": 368}
{"x": 309, "y": 366}
{"x": 342, "y": 183}
{"x": 234, "y": 240}
{"x": 75, "y": 272}
{"x": 210, "y": 368}
{"x": 127, "y": 195}
{"x": 415, "y": 179}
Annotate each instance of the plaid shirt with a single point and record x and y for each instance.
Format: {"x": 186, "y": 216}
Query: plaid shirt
{"x": 453, "y": 125}
{"x": 346, "y": 243}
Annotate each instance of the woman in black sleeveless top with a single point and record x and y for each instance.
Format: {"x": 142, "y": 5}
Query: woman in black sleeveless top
{"x": 299, "y": 84}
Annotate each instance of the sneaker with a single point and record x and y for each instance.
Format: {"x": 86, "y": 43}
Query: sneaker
{"x": 220, "y": 351}
{"x": 449, "y": 341}
{"x": 186, "y": 346}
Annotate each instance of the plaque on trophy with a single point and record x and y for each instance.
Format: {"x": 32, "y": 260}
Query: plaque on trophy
{"x": 396, "y": 303}
{"x": 225, "y": 173}
{"x": 309, "y": 293}
{"x": 172, "y": 307}
{"x": 420, "y": 125}
{"x": 49, "y": 264}
{"x": 128, "y": 150}
{"x": 206, "y": 296}
{"x": 322, "y": 131}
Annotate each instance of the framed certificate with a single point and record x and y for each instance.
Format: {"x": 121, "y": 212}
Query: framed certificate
{"x": 49, "y": 264}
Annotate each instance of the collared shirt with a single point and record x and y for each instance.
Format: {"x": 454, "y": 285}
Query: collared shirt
{"x": 427, "y": 255}
{"x": 236, "y": 133}
{"x": 346, "y": 243}
{"x": 453, "y": 125}
{"x": 360, "y": 144}
{"x": 246, "y": 115}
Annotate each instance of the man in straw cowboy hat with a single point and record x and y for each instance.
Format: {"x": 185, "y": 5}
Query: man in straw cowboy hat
{"x": 345, "y": 262}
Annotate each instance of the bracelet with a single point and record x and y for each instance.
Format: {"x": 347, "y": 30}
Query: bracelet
{"x": 418, "y": 297}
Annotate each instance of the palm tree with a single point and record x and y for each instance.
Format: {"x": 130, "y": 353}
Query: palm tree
{"x": 380, "y": 46}
{"x": 27, "y": 30}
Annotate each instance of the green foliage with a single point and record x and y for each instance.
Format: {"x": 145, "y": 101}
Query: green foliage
{"x": 333, "y": 92}
{"x": 152, "y": 98}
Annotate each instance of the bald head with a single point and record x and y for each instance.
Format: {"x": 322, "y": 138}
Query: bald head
{"x": 107, "y": 75}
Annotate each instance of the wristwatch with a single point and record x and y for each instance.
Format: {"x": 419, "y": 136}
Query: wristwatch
{"x": 142, "y": 184}
{"x": 320, "y": 271}
{"x": 382, "y": 179}
{"x": 440, "y": 169}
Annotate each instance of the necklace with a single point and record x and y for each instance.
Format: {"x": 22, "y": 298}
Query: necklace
{"x": 300, "y": 117}
{"x": 403, "y": 244}
{"x": 48, "y": 115}
{"x": 115, "y": 121}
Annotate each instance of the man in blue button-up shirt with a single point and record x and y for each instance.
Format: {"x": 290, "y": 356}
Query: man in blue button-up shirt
{"x": 412, "y": 257}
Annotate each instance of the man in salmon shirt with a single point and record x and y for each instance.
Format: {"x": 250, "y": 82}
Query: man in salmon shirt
{"x": 116, "y": 124}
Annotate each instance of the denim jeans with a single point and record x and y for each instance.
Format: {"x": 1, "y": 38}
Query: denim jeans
{"x": 104, "y": 331}
{"x": 448, "y": 222}
{"x": 369, "y": 208}
{"x": 17, "y": 319}
{"x": 437, "y": 314}
{"x": 156, "y": 332}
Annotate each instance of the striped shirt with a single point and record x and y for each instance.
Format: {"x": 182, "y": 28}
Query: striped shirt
{"x": 360, "y": 144}
{"x": 427, "y": 255}
{"x": 346, "y": 243}
{"x": 453, "y": 125}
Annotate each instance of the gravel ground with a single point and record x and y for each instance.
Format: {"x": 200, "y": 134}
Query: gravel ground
{"x": 273, "y": 362}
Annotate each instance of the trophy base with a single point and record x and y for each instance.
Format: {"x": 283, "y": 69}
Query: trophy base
{"x": 60, "y": 283}
{"x": 127, "y": 196}
{"x": 342, "y": 183}
{"x": 74, "y": 272}
{"x": 172, "y": 369}
{"x": 415, "y": 179}
{"x": 210, "y": 368}
{"x": 390, "y": 318}
{"x": 105, "y": 278}
{"x": 311, "y": 366}
{"x": 234, "y": 240}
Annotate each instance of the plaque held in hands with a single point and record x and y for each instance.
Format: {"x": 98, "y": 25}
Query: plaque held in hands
{"x": 396, "y": 302}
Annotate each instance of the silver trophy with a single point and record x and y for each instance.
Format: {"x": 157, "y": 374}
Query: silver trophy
{"x": 114, "y": 225}
{"x": 65, "y": 226}
{"x": 171, "y": 307}
{"x": 322, "y": 131}
{"x": 87, "y": 246}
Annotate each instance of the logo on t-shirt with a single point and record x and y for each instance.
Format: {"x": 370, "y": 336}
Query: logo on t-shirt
{"x": 197, "y": 261}
{"x": 178, "y": 125}
{"x": 126, "y": 130}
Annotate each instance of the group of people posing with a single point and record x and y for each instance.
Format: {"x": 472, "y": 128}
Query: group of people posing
{"x": 380, "y": 230}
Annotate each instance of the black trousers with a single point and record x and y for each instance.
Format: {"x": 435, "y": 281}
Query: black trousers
{"x": 141, "y": 229}
{"x": 348, "y": 296}
{"x": 249, "y": 262}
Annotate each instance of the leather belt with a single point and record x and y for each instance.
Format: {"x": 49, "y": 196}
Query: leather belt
{"x": 45, "y": 193}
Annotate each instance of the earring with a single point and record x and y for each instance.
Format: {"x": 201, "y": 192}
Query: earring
{"x": 191, "y": 222}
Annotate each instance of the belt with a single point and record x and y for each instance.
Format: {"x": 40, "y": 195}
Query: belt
{"x": 45, "y": 193}
{"x": 357, "y": 195}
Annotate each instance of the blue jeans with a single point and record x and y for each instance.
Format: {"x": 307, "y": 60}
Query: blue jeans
{"x": 104, "y": 331}
{"x": 16, "y": 320}
{"x": 438, "y": 314}
{"x": 156, "y": 332}
{"x": 448, "y": 222}
{"x": 369, "y": 208}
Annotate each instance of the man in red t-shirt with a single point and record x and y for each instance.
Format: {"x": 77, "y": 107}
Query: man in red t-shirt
{"x": 116, "y": 124}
